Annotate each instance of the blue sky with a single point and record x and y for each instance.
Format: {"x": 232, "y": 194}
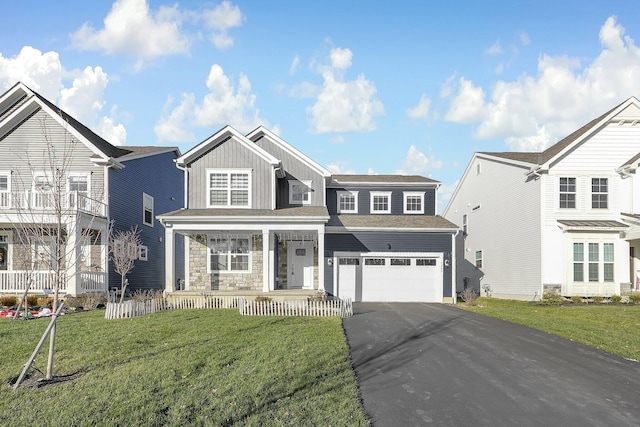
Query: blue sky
{"x": 411, "y": 87}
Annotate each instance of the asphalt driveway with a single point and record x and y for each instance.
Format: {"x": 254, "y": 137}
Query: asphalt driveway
{"x": 420, "y": 364}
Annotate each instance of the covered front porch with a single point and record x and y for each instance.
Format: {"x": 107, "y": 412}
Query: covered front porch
{"x": 246, "y": 252}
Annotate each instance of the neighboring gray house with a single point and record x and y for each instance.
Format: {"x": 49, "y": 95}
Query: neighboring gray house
{"x": 565, "y": 220}
{"x": 260, "y": 216}
{"x": 101, "y": 183}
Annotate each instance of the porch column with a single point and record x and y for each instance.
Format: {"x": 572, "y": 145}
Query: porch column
{"x": 265, "y": 261}
{"x": 169, "y": 259}
{"x": 321, "y": 259}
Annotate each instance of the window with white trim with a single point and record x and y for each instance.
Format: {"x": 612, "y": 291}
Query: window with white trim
{"x": 42, "y": 194}
{"x": 229, "y": 188}
{"x": 78, "y": 186}
{"x": 147, "y": 209}
{"x": 567, "y": 193}
{"x": 143, "y": 253}
{"x": 5, "y": 189}
{"x": 478, "y": 259}
{"x": 299, "y": 192}
{"x": 413, "y": 202}
{"x": 229, "y": 254}
{"x": 599, "y": 193}
{"x": 465, "y": 225}
{"x": 599, "y": 262}
{"x": 347, "y": 201}
{"x": 380, "y": 202}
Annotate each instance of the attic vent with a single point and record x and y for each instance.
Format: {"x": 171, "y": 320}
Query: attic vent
{"x": 475, "y": 208}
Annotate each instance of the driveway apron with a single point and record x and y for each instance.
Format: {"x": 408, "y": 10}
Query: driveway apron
{"x": 421, "y": 364}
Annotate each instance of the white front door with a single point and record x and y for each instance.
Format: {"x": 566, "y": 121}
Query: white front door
{"x": 300, "y": 265}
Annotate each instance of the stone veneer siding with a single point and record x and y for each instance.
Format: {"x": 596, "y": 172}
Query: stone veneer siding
{"x": 200, "y": 280}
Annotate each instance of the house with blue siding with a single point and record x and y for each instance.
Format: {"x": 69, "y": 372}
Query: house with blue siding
{"x": 261, "y": 217}
{"x": 42, "y": 147}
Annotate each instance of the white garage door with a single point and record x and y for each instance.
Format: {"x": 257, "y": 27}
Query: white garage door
{"x": 390, "y": 277}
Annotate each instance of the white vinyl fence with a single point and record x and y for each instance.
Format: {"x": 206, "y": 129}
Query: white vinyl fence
{"x": 132, "y": 308}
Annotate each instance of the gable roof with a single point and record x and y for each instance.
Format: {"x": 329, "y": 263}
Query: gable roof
{"x": 405, "y": 222}
{"x": 218, "y": 138}
{"x": 261, "y": 132}
{"x": 22, "y": 100}
{"x": 547, "y": 156}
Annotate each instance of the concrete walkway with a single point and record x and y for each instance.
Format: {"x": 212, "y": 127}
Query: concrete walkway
{"x": 433, "y": 364}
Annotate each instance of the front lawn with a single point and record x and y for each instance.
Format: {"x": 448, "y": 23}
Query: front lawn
{"x": 608, "y": 327}
{"x": 184, "y": 367}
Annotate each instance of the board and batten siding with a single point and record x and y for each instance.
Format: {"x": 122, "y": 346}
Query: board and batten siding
{"x": 157, "y": 176}
{"x": 231, "y": 154}
{"x": 296, "y": 170}
{"x": 397, "y": 199}
{"x": 27, "y": 144}
{"x": 388, "y": 242}
{"x": 504, "y": 222}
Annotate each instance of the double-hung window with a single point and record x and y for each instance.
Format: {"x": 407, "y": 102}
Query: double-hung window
{"x": 413, "y": 202}
{"x": 78, "y": 190}
{"x": 347, "y": 202}
{"x": 567, "y": 193}
{"x": 229, "y": 188}
{"x": 229, "y": 254}
{"x": 478, "y": 259}
{"x": 5, "y": 189}
{"x": 299, "y": 192}
{"x": 380, "y": 202}
{"x": 599, "y": 193}
{"x": 147, "y": 209}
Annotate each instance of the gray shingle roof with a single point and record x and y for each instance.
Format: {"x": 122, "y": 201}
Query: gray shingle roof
{"x": 592, "y": 224}
{"x": 391, "y": 221}
{"x": 303, "y": 211}
{"x": 384, "y": 179}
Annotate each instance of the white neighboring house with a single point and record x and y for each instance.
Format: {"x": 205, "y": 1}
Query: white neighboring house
{"x": 565, "y": 220}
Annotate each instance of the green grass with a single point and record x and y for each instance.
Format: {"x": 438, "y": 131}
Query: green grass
{"x": 184, "y": 367}
{"x": 612, "y": 328}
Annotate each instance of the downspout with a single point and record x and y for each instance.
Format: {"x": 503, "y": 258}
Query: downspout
{"x": 454, "y": 267}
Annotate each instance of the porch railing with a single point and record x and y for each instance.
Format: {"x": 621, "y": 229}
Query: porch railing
{"x": 36, "y": 201}
{"x": 43, "y": 282}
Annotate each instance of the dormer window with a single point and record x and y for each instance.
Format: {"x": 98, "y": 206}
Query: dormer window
{"x": 299, "y": 192}
{"x": 380, "y": 202}
{"x": 229, "y": 188}
{"x": 347, "y": 202}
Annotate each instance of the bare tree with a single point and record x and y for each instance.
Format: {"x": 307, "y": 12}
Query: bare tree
{"x": 53, "y": 218}
{"x": 124, "y": 249}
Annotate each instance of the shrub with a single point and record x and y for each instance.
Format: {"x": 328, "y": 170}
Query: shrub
{"x": 88, "y": 300}
{"x": 8, "y": 300}
{"x": 634, "y": 298}
{"x": 597, "y": 299}
{"x": 32, "y": 300}
{"x": 552, "y": 299}
{"x": 576, "y": 299}
{"x": 469, "y": 296}
{"x": 616, "y": 298}
{"x": 261, "y": 298}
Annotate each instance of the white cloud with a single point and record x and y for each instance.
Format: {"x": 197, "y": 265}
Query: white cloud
{"x": 421, "y": 110}
{"x": 340, "y": 167}
{"x": 533, "y": 112}
{"x": 131, "y": 28}
{"x": 224, "y": 104}
{"x": 468, "y": 103}
{"x": 295, "y": 63}
{"x": 343, "y": 105}
{"x": 220, "y": 19}
{"x": 370, "y": 171}
{"x": 524, "y": 38}
{"x": 417, "y": 163}
{"x": 41, "y": 72}
{"x": 494, "y": 50}
{"x": 83, "y": 100}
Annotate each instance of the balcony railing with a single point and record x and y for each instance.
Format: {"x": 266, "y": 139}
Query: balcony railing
{"x": 42, "y": 282}
{"x": 42, "y": 201}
